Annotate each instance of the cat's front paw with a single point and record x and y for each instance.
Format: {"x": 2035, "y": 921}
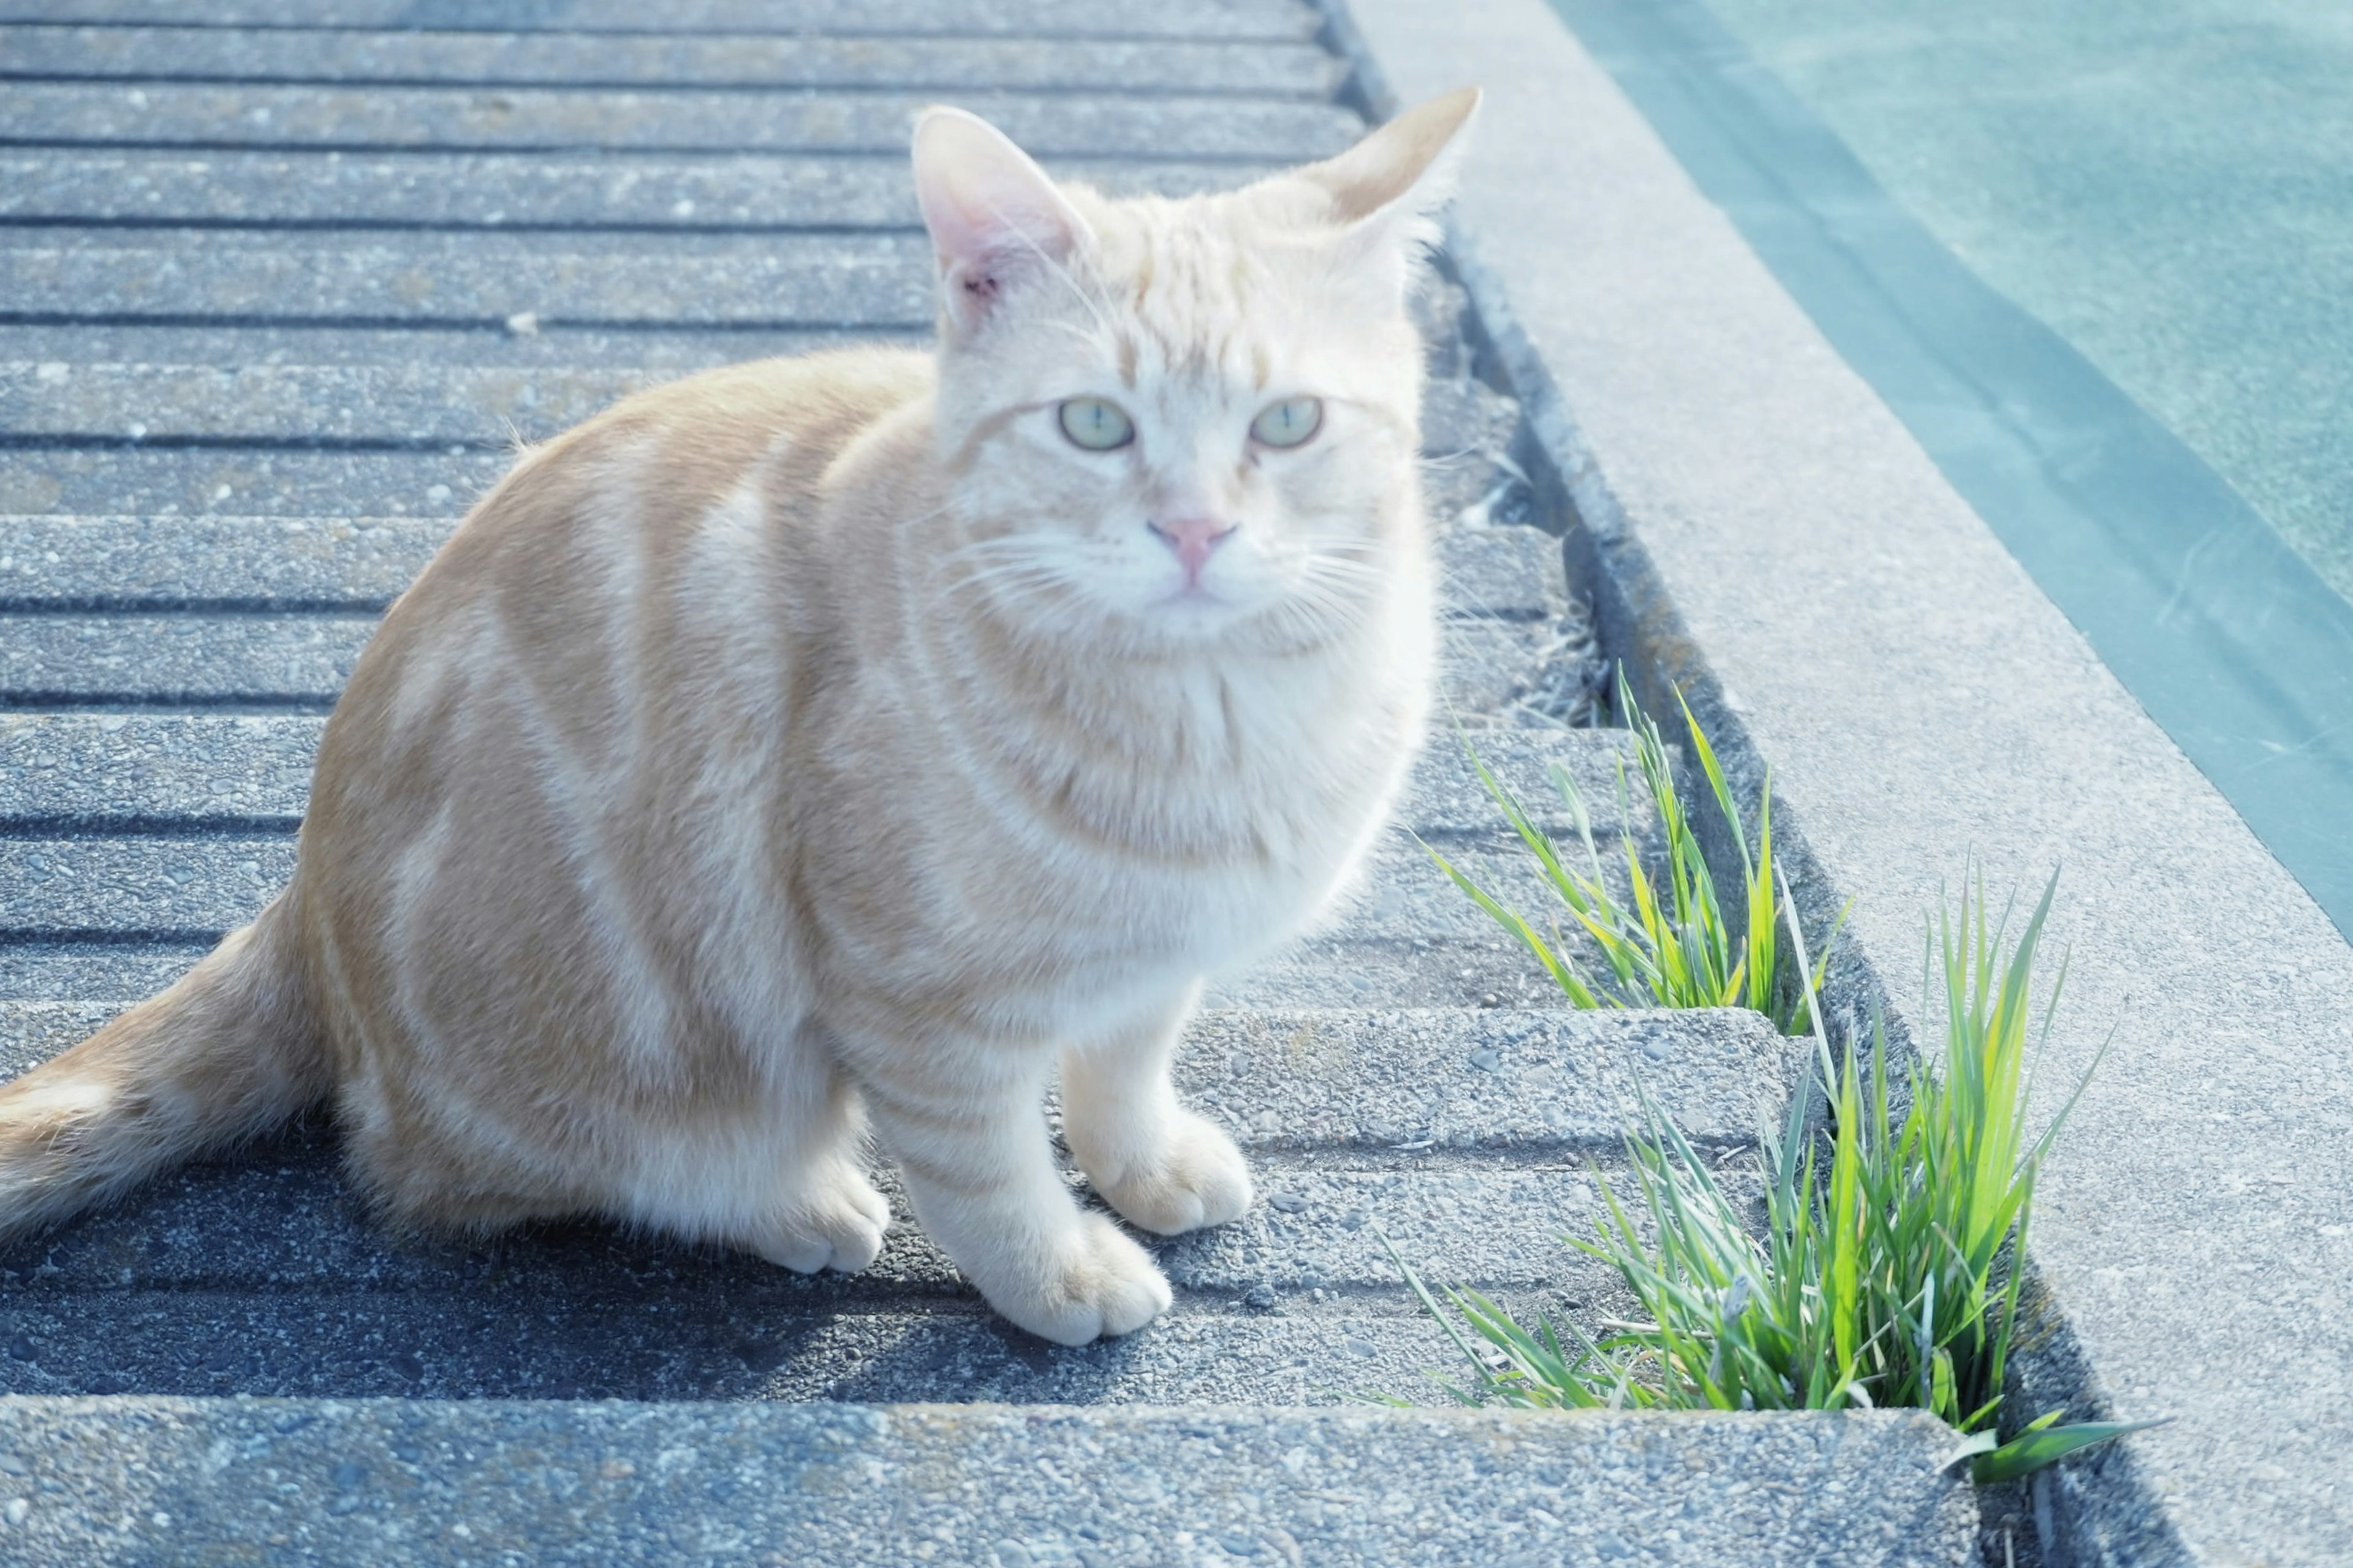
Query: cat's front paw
{"x": 836, "y": 1221}
{"x": 1095, "y": 1282}
{"x": 1197, "y": 1177}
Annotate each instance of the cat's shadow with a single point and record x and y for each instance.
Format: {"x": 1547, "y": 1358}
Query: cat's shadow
{"x": 264, "y": 1274}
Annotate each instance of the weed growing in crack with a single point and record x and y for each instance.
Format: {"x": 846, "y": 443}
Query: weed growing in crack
{"x": 1887, "y": 1273}
{"x": 1672, "y": 945}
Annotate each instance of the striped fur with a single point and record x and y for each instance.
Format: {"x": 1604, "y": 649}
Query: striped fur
{"x": 827, "y": 743}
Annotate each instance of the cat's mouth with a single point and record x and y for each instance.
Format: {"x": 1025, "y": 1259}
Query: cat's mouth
{"x": 1195, "y": 595}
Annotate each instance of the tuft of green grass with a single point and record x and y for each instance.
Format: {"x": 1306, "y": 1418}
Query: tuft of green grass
{"x": 1887, "y": 1270}
{"x": 1672, "y": 945}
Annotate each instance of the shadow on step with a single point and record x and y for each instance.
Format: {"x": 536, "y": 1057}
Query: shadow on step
{"x": 263, "y": 1277}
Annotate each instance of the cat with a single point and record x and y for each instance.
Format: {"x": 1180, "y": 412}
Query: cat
{"x": 833, "y": 747}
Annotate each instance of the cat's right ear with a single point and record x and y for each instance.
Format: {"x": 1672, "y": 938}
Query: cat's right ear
{"x": 995, "y": 217}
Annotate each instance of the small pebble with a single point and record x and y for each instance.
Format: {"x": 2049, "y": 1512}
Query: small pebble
{"x": 348, "y": 1475}
{"x": 1656, "y": 1052}
{"x": 1353, "y": 1220}
{"x": 17, "y": 1509}
{"x": 1356, "y": 1347}
{"x": 1260, "y": 1298}
{"x": 14, "y": 1465}
{"x": 1289, "y": 1203}
{"x": 1487, "y": 1060}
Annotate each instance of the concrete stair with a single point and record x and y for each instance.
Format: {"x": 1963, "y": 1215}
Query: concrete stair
{"x": 283, "y": 284}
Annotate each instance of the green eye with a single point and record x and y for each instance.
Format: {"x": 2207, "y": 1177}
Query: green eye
{"x": 1288, "y": 423}
{"x": 1097, "y": 426}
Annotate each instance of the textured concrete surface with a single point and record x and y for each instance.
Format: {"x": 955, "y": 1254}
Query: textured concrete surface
{"x": 321, "y": 489}
{"x": 192, "y": 769}
{"x": 1278, "y": 21}
{"x": 245, "y": 388}
{"x": 635, "y": 120}
{"x": 1778, "y": 543}
{"x": 1262, "y": 68}
{"x": 873, "y": 279}
{"x": 370, "y": 191}
{"x": 421, "y": 1483}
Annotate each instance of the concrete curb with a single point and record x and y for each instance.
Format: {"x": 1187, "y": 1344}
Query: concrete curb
{"x": 1761, "y": 534}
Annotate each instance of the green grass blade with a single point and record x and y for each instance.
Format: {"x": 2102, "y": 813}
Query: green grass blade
{"x": 2041, "y": 1446}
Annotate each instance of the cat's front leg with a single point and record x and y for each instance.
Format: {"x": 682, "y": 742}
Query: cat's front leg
{"x": 1167, "y": 1168}
{"x": 981, "y": 1175}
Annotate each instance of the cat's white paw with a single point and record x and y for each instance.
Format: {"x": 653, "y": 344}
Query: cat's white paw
{"x": 1095, "y": 1282}
{"x": 836, "y": 1221}
{"x": 1198, "y": 1177}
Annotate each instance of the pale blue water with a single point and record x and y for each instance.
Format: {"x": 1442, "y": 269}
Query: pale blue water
{"x": 2168, "y": 183}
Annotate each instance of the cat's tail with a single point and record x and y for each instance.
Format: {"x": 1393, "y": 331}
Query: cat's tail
{"x": 228, "y": 1052}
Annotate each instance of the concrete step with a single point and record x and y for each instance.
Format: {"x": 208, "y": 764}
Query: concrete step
{"x": 270, "y": 660}
{"x": 352, "y": 562}
{"x": 1256, "y": 21}
{"x": 1430, "y": 1082}
{"x": 410, "y": 58}
{"x": 119, "y": 889}
{"x": 289, "y": 485}
{"x": 1471, "y": 1140}
{"x": 123, "y": 1480}
{"x": 404, "y": 404}
{"x": 284, "y": 1223}
{"x": 278, "y": 658}
{"x": 660, "y": 349}
{"x": 179, "y": 773}
{"x": 713, "y": 1345}
{"x": 634, "y": 120}
{"x": 880, "y": 280}
{"x": 474, "y": 191}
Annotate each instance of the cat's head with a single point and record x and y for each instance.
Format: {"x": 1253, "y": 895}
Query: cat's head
{"x": 1172, "y": 423}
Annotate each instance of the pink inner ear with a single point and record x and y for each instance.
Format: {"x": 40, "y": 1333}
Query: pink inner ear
{"x": 983, "y": 201}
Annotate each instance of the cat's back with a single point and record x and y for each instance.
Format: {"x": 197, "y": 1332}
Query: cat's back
{"x": 649, "y": 472}
{"x": 618, "y": 619}
{"x": 674, "y": 518}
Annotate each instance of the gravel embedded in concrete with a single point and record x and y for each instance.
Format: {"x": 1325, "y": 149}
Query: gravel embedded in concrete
{"x": 642, "y": 119}
{"x": 521, "y": 58}
{"x": 401, "y": 1482}
{"x": 249, "y": 387}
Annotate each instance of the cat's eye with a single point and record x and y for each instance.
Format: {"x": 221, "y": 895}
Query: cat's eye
{"x": 1096, "y": 424}
{"x": 1288, "y": 423}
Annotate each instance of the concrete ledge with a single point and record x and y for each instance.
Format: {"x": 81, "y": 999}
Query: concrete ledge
{"x": 1272, "y": 21}
{"x": 189, "y": 769}
{"x": 509, "y": 190}
{"x": 141, "y": 1481}
{"x": 865, "y": 280}
{"x": 546, "y": 119}
{"x": 1759, "y": 530}
{"x": 474, "y": 59}
{"x": 112, "y": 480}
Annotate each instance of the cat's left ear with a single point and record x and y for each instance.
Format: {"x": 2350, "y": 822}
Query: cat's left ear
{"x": 1386, "y": 190}
{"x": 995, "y": 217}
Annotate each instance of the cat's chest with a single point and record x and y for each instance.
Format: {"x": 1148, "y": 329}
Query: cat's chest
{"x": 1219, "y": 832}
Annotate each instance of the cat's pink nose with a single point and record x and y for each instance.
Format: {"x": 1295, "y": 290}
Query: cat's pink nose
{"x": 1192, "y": 538}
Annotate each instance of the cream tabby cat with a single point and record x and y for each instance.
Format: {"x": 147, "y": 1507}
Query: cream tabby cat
{"x": 856, "y": 736}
